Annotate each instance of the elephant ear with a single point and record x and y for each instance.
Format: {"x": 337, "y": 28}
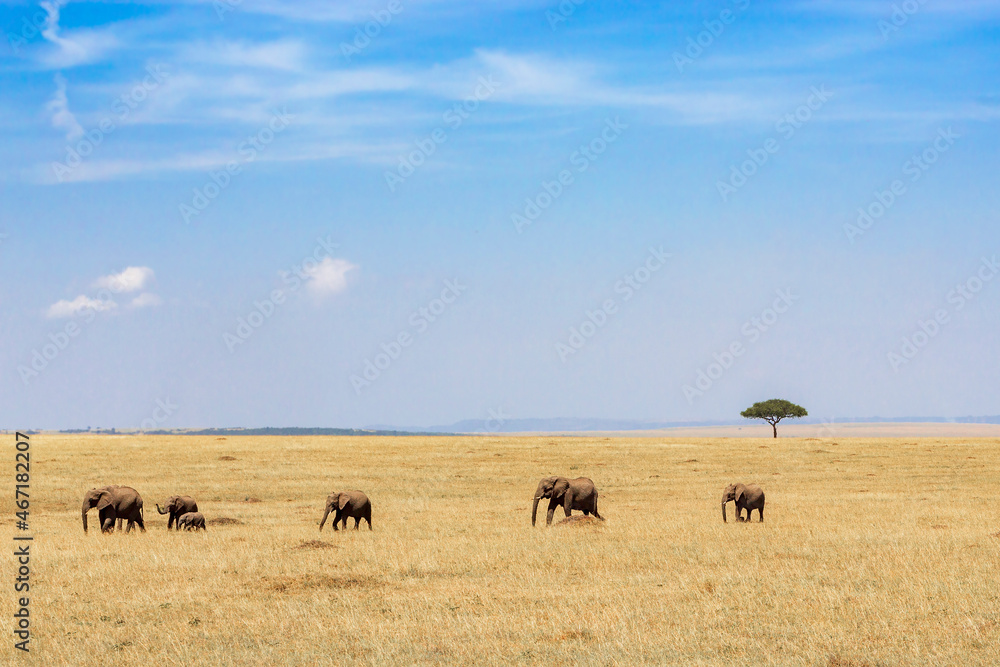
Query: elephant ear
{"x": 562, "y": 485}
{"x": 342, "y": 503}
{"x": 103, "y": 500}
{"x": 740, "y": 490}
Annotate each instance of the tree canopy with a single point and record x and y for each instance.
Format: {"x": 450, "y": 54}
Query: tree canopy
{"x": 773, "y": 411}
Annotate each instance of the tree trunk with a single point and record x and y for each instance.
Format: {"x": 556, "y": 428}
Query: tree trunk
{"x": 775, "y": 427}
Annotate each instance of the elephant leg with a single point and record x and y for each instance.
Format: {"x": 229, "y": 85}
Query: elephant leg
{"x": 761, "y": 510}
{"x": 369, "y": 520}
{"x": 336, "y": 520}
{"x": 595, "y": 511}
{"x": 357, "y": 522}
{"x": 108, "y": 526}
{"x": 552, "y": 510}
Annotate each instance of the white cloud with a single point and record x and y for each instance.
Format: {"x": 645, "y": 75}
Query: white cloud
{"x": 329, "y": 276}
{"x": 146, "y": 299}
{"x": 78, "y": 305}
{"x": 62, "y": 118}
{"x": 132, "y": 279}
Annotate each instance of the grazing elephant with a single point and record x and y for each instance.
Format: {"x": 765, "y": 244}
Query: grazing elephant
{"x": 746, "y": 496}
{"x": 572, "y": 494}
{"x": 348, "y": 504}
{"x": 175, "y": 507}
{"x": 114, "y": 503}
{"x": 191, "y": 521}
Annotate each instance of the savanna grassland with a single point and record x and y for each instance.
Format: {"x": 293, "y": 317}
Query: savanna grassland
{"x": 874, "y": 552}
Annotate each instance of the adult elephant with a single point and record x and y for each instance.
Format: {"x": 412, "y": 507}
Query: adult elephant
{"x": 348, "y": 504}
{"x": 747, "y": 497}
{"x": 114, "y": 503}
{"x": 175, "y": 507}
{"x": 571, "y": 494}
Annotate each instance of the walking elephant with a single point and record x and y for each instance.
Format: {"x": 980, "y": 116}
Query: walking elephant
{"x": 353, "y": 504}
{"x": 747, "y": 497}
{"x": 571, "y": 494}
{"x": 114, "y": 503}
{"x": 191, "y": 521}
{"x": 176, "y": 506}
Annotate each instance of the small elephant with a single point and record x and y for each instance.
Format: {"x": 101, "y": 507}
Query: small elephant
{"x": 114, "y": 503}
{"x": 177, "y": 506}
{"x": 191, "y": 521}
{"x": 572, "y": 494}
{"x": 346, "y": 504}
{"x": 746, "y": 496}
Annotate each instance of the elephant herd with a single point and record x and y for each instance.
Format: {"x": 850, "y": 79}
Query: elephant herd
{"x": 123, "y": 503}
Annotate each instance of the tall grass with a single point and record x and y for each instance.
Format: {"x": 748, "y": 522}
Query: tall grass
{"x": 874, "y": 552}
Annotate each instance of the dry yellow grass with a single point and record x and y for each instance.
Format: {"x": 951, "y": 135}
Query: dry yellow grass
{"x": 875, "y": 552}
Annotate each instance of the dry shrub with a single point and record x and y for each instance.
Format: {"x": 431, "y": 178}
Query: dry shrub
{"x": 316, "y": 544}
{"x": 224, "y": 521}
{"x": 578, "y": 520}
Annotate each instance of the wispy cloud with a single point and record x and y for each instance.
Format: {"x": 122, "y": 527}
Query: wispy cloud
{"x": 82, "y": 47}
{"x": 58, "y": 107}
{"x": 78, "y": 305}
{"x": 287, "y": 55}
{"x": 145, "y": 300}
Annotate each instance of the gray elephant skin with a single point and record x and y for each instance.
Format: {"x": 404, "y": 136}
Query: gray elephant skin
{"x": 175, "y": 507}
{"x": 114, "y": 503}
{"x": 747, "y": 497}
{"x": 191, "y": 521}
{"x": 571, "y": 494}
{"x": 345, "y": 505}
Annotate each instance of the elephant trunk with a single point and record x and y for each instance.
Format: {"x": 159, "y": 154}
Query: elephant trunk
{"x": 723, "y": 511}
{"x": 534, "y": 509}
{"x": 323, "y": 522}
{"x": 159, "y": 510}
{"x": 85, "y": 508}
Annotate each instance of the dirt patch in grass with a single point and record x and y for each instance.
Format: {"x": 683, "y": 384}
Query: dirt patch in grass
{"x": 305, "y": 582}
{"x": 224, "y": 521}
{"x": 249, "y": 499}
{"x": 316, "y": 544}
{"x": 939, "y": 526}
{"x": 574, "y": 635}
{"x": 228, "y": 458}
{"x": 578, "y": 520}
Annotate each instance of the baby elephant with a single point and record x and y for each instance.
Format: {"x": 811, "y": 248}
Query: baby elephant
{"x": 746, "y": 496}
{"x": 346, "y": 504}
{"x": 191, "y": 521}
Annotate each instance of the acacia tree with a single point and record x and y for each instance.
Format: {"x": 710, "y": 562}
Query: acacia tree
{"x": 773, "y": 411}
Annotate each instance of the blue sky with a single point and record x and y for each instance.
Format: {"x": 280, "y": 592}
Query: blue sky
{"x": 250, "y": 213}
